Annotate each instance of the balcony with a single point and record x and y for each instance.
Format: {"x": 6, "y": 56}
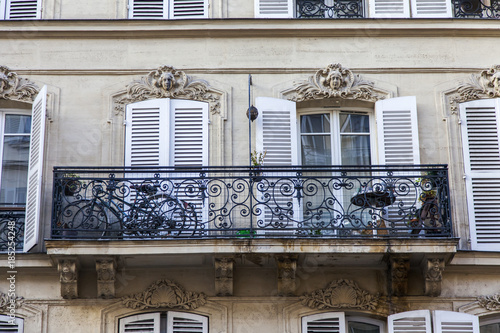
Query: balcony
{"x": 355, "y": 9}
{"x": 327, "y": 202}
{"x": 11, "y": 229}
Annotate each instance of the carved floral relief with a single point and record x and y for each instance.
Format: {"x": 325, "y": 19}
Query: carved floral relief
{"x": 13, "y": 87}
{"x": 483, "y": 85}
{"x": 491, "y": 302}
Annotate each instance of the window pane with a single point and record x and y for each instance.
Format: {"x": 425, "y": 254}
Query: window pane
{"x": 354, "y": 123}
{"x": 490, "y": 328}
{"x": 17, "y": 124}
{"x": 316, "y": 150}
{"x": 355, "y": 149}
{"x": 14, "y": 169}
{"x": 316, "y": 123}
{"x": 357, "y": 327}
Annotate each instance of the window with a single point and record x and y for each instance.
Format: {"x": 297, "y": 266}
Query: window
{"x": 11, "y": 324}
{"x": 20, "y": 9}
{"x": 168, "y": 9}
{"x": 338, "y": 322}
{"x": 490, "y": 325}
{"x": 168, "y": 322}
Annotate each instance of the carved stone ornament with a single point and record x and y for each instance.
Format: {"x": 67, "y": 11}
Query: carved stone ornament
{"x": 167, "y": 82}
{"x": 434, "y": 276}
{"x": 7, "y": 303}
{"x": 399, "y": 267}
{"x": 287, "y": 269}
{"x": 13, "y": 87}
{"x": 491, "y": 303}
{"x": 483, "y": 85}
{"x": 68, "y": 277}
{"x": 335, "y": 81}
{"x": 341, "y": 294}
{"x": 165, "y": 294}
{"x": 224, "y": 276}
{"x": 106, "y": 274}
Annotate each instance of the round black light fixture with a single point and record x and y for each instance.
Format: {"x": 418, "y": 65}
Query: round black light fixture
{"x": 252, "y": 113}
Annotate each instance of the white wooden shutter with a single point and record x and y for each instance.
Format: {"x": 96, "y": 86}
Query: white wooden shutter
{"x": 389, "y": 8}
{"x": 452, "y": 322}
{"x": 22, "y": 9}
{"x": 333, "y": 322}
{"x": 179, "y": 322}
{"x": 273, "y": 8}
{"x": 480, "y": 122}
{"x": 410, "y": 322}
{"x": 431, "y": 8}
{"x": 147, "y": 133}
{"x": 397, "y": 129}
{"x": 35, "y": 167}
{"x": 143, "y": 323}
{"x": 181, "y": 9}
{"x": 148, "y": 9}
{"x": 9, "y": 325}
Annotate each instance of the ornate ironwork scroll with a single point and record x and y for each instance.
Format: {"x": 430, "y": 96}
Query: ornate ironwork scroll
{"x": 483, "y": 85}
{"x": 318, "y": 9}
{"x": 341, "y": 294}
{"x": 476, "y": 9}
{"x": 165, "y": 294}
{"x": 13, "y": 87}
{"x": 335, "y": 81}
{"x": 167, "y": 82}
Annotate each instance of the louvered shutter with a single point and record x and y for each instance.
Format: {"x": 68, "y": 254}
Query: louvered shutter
{"x": 180, "y": 9}
{"x": 480, "y": 122}
{"x": 389, "y": 8}
{"x": 147, "y": 133}
{"x": 148, "y": 9}
{"x": 452, "y": 322}
{"x": 324, "y": 323}
{"x": 35, "y": 166}
{"x": 410, "y": 322}
{"x": 397, "y": 129}
{"x": 143, "y": 323}
{"x": 431, "y": 8}
{"x": 9, "y": 325}
{"x": 273, "y": 8}
{"x": 179, "y": 322}
{"x": 22, "y": 9}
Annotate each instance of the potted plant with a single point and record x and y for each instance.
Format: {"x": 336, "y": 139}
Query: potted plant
{"x": 71, "y": 184}
{"x": 257, "y": 162}
{"x": 245, "y": 233}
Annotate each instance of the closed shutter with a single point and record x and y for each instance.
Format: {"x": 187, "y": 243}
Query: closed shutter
{"x": 22, "y": 9}
{"x": 180, "y": 9}
{"x": 431, "y": 8}
{"x": 389, "y": 8}
{"x": 143, "y": 323}
{"x": 9, "y": 325}
{"x": 410, "y": 322}
{"x": 452, "y": 322}
{"x": 324, "y": 323}
{"x": 480, "y": 122}
{"x": 179, "y": 322}
{"x": 35, "y": 167}
{"x": 273, "y": 8}
{"x": 148, "y": 9}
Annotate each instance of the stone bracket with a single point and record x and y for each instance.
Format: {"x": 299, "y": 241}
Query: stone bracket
{"x": 433, "y": 275}
{"x": 68, "y": 277}
{"x": 287, "y": 269}
{"x": 399, "y": 266}
{"x": 106, "y": 275}
{"x": 224, "y": 276}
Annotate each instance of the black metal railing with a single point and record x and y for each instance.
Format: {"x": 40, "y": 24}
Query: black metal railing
{"x": 11, "y": 229}
{"x": 353, "y": 9}
{"x": 243, "y": 202}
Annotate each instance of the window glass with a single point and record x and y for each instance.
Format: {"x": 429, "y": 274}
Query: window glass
{"x": 316, "y": 139}
{"x": 490, "y": 328}
{"x": 359, "y": 327}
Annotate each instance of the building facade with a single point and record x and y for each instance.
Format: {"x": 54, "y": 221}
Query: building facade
{"x": 250, "y": 166}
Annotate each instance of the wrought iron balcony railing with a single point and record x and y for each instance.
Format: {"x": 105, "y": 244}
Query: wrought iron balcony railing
{"x": 248, "y": 202}
{"x": 341, "y": 9}
{"x": 11, "y": 229}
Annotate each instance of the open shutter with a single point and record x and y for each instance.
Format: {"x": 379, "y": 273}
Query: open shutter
{"x": 143, "y": 323}
{"x": 23, "y": 9}
{"x": 410, "y": 322}
{"x": 389, "y": 8}
{"x": 325, "y": 323}
{"x": 180, "y": 9}
{"x": 179, "y": 322}
{"x": 148, "y": 9}
{"x": 397, "y": 129}
{"x": 480, "y": 122}
{"x": 273, "y": 8}
{"x": 147, "y": 133}
{"x": 431, "y": 8}
{"x": 35, "y": 166}
{"x": 452, "y": 322}
{"x": 11, "y": 325}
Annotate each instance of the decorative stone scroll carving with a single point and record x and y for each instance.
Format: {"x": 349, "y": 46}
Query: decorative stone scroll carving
{"x": 106, "y": 273}
{"x": 287, "y": 267}
{"x": 486, "y": 84}
{"x": 335, "y": 81}
{"x": 341, "y": 294}
{"x": 399, "y": 267}
{"x": 7, "y": 303}
{"x": 68, "y": 277}
{"x": 167, "y": 82}
{"x": 165, "y": 294}
{"x": 13, "y": 87}
{"x": 491, "y": 303}
{"x": 224, "y": 276}
{"x": 433, "y": 276}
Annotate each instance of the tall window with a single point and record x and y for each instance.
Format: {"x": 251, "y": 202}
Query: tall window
{"x": 20, "y": 9}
